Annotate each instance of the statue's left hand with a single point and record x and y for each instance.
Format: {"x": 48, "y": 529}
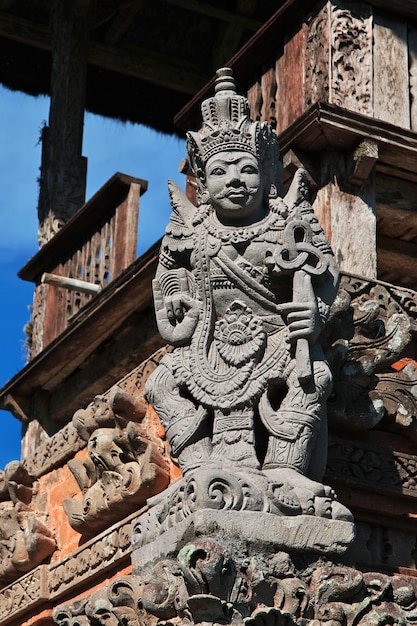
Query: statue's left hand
{"x": 176, "y": 315}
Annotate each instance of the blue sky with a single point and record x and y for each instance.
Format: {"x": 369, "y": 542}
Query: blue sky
{"x": 110, "y": 146}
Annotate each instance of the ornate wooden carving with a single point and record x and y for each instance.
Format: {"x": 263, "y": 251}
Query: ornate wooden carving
{"x": 316, "y": 58}
{"x": 351, "y": 56}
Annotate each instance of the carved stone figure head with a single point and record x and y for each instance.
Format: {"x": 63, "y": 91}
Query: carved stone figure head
{"x": 235, "y": 160}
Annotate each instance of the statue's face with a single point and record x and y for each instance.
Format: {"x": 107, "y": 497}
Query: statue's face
{"x": 234, "y": 183}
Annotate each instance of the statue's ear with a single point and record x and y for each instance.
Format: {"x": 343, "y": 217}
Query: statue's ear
{"x": 298, "y": 191}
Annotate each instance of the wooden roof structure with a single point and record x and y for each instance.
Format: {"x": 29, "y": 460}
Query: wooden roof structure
{"x": 161, "y": 52}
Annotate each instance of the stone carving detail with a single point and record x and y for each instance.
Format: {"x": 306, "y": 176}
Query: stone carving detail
{"x": 114, "y": 605}
{"x": 351, "y": 52}
{"x": 66, "y": 442}
{"x": 369, "y": 326}
{"x": 208, "y": 584}
{"x": 29, "y": 590}
{"x": 25, "y": 539}
{"x": 53, "y": 452}
{"x": 243, "y": 288}
{"x": 125, "y": 464}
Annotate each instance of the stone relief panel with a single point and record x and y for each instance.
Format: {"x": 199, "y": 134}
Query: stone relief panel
{"x": 351, "y": 56}
{"x": 25, "y": 539}
{"x": 125, "y": 463}
{"x": 208, "y": 583}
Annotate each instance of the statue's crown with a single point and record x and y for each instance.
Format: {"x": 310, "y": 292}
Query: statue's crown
{"x": 226, "y": 123}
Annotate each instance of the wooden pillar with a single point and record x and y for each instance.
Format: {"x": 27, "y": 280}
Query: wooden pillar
{"x": 348, "y": 215}
{"x": 63, "y": 169}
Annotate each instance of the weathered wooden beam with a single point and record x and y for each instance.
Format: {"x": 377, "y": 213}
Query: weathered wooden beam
{"x": 397, "y": 224}
{"x": 397, "y": 261}
{"x": 24, "y": 30}
{"x": 122, "y": 21}
{"x": 229, "y": 35}
{"x": 292, "y": 160}
{"x": 70, "y": 283}
{"x": 203, "y": 8}
{"x": 155, "y": 68}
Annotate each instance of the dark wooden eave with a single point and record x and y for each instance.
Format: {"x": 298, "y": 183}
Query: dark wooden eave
{"x": 145, "y": 59}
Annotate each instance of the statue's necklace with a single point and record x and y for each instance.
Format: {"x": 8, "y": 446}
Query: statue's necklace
{"x": 234, "y": 235}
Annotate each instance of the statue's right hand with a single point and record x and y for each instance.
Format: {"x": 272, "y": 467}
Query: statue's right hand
{"x": 176, "y": 315}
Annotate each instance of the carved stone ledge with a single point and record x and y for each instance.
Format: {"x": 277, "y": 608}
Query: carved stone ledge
{"x": 26, "y": 593}
{"x": 125, "y": 464}
{"x": 259, "y": 531}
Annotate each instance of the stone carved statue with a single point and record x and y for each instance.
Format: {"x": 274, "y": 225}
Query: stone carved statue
{"x": 243, "y": 287}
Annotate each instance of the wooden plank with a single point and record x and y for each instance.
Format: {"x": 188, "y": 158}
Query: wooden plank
{"x": 269, "y": 96}
{"x": 397, "y": 193}
{"x": 344, "y": 215}
{"x": 292, "y": 83}
{"x": 397, "y": 224}
{"x": 125, "y": 232}
{"x": 412, "y": 56}
{"x": 391, "y": 79}
{"x": 397, "y": 261}
{"x": 326, "y": 125}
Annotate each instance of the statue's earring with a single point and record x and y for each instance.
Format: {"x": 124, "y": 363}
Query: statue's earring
{"x": 273, "y": 192}
{"x": 204, "y": 196}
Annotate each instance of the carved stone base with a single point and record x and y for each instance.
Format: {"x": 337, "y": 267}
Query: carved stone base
{"x": 260, "y": 532}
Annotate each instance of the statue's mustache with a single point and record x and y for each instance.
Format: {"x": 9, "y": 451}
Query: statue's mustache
{"x": 231, "y": 191}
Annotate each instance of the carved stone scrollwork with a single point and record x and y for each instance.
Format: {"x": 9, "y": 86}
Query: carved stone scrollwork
{"x": 125, "y": 464}
{"x": 25, "y": 539}
{"x": 369, "y": 327}
{"x": 209, "y": 583}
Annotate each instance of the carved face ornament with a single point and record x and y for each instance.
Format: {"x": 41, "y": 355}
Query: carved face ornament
{"x": 234, "y": 183}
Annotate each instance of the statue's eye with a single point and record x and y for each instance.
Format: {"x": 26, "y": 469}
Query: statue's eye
{"x": 217, "y": 171}
{"x": 249, "y": 169}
